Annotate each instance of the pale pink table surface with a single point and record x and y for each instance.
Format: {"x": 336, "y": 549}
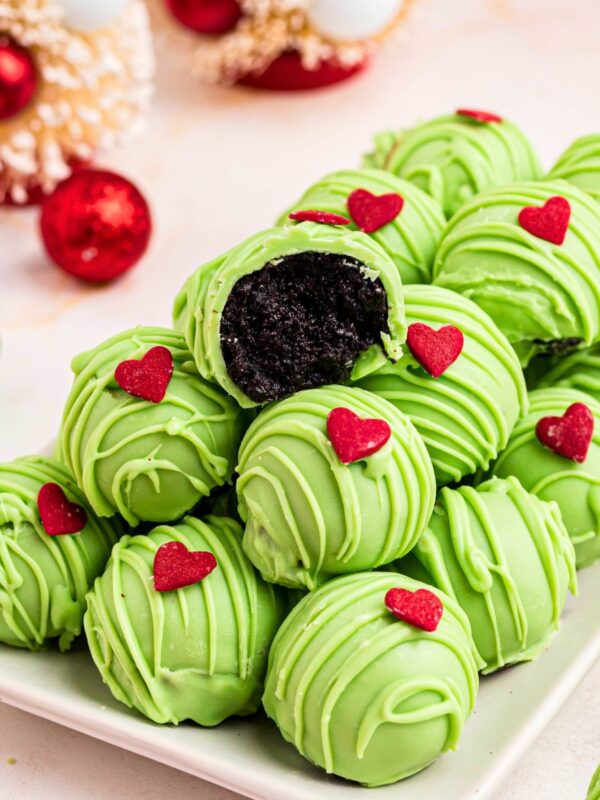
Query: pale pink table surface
{"x": 217, "y": 165}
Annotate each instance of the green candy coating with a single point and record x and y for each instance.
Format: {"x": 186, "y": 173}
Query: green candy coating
{"x": 199, "y": 305}
{"x": 534, "y": 290}
{"x": 466, "y": 415}
{"x": 580, "y": 165}
{"x": 506, "y": 558}
{"x": 44, "y": 579}
{"x": 309, "y": 516}
{"x": 411, "y": 239}
{"x": 196, "y": 653}
{"x": 147, "y": 461}
{"x": 579, "y": 370}
{"x": 361, "y": 693}
{"x": 594, "y": 789}
{"x": 574, "y": 487}
{"x": 454, "y": 157}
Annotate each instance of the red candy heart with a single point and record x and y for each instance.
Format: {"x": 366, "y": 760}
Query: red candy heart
{"x": 148, "y": 378}
{"x": 434, "y": 350}
{"x": 175, "y": 566}
{"x": 422, "y": 609}
{"x": 371, "y": 212}
{"x": 323, "y": 217}
{"x": 478, "y": 115}
{"x": 59, "y": 516}
{"x": 549, "y": 222}
{"x": 569, "y": 436}
{"x": 354, "y": 438}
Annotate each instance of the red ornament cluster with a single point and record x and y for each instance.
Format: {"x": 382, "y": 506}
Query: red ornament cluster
{"x": 354, "y": 438}
{"x": 59, "y": 515}
{"x": 371, "y": 212}
{"x": 96, "y": 225}
{"x": 175, "y": 566}
{"x": 18, "y": 78}
{"x": 434, "y": 350}
{"x": 421, "y": 609}
{"x": 149, "y": 377}
{"x": 568, "y": 436}
{"x": 549, "y": 222}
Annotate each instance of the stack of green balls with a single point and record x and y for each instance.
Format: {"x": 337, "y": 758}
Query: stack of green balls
{"x": 327, "y": 489}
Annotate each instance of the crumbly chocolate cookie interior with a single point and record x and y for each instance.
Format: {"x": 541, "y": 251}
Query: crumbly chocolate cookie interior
{"x": 300, "y": 322}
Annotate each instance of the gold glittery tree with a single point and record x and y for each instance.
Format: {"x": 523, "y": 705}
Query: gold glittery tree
{"x": 92, "y": 85}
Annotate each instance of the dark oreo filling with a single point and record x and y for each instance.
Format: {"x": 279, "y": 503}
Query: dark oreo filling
{"x": 558, "y": 347}
{"x": 300, "y": 322}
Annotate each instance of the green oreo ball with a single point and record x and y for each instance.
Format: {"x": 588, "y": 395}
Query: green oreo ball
{"x": 542, "y": 294}
{"x": 465, "y": 415}
{"x": 44, "y": 578}
{"x": 410, "y": 239}
{"x": 308, "y": 515}
{"x": 573, "y": 486}
{"x": 506, "y": 558}
{"x": 150, "y": 461}
{"x": 198, "y": 652}
{"x": 362, "y": 694}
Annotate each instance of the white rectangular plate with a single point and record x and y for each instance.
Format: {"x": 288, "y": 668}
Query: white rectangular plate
{"x": 249, "y": 757}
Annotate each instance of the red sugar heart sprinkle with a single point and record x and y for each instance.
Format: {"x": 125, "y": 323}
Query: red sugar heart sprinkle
{"x": 149, "y": 377}
{"x": 175, "y": 566}
{"x": 422, "y": 609}
{"x": 59, "y": 516}
{"x": 569, "y": 436}
{"x": 371, "y": 212}
{"x": 478, "y": 115}
{"x": 549, "y": 222}
{"x": 434, "y": 350}
{"x": 354, "y": 438}
{"x": 323, "y": 217}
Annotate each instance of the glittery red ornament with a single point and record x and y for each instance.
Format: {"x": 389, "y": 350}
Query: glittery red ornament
{"x": 18, "y": 78}
{"x": 96, "y": 225}
{"x": 206, "y": 16}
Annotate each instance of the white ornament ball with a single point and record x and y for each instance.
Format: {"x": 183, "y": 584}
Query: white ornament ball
{"x": 353, "y": 20}
{"x": 91, "y": 15}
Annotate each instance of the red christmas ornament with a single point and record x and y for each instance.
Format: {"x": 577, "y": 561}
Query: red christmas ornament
{"x": 96, "y": 225}
{"x": 18, "y": 78}
{"x": 175, "y": 566}
{"x": 206, "y": 16}
{"x": 434, "y": 350}
{"x": 568, "y": 436}
{"x": 354, "y": 438}
{"x": 421, "y": 609}
{"x": 288, "y": 74}
{"x": 58, "y": 515}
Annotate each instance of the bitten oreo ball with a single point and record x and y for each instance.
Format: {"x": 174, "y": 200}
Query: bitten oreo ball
{"x": 299, "y": 322}
{"x": 293, "y": 308}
